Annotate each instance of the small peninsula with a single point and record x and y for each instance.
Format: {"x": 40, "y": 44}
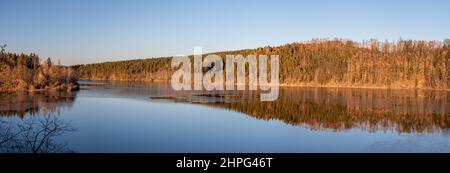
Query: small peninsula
{"x": 25, "y": 72}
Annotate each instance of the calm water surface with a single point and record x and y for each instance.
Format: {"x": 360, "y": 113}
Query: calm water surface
{"x": 142, "y": 117}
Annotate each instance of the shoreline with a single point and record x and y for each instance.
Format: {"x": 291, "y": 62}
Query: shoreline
{"x": 54, "y": 89}
{"x": 360, "y": 87}
{"x": 303, "y": 85}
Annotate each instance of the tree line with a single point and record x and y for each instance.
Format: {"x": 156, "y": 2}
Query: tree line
{"x": 24, "y": 72}
{"x": 338, "y": 62}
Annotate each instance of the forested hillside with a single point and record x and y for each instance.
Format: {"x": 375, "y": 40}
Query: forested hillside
{"x": 24, "y": 72}
{"x": 344, "y": 63}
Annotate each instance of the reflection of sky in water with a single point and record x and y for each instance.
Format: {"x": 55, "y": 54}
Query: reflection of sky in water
{"x": 123, "y": 119}
{"x": 413, "y": 143}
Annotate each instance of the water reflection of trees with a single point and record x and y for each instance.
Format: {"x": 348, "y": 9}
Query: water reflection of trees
{"x": 35, "y": 103}
{"x": 35, "y": 134}
{"x": 317, "y": 108}
{"x": 30, "y": 133}
{"x": 372, "y": 110}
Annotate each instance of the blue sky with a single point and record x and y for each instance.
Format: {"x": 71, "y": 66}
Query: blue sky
{"x": 87, "y": 31}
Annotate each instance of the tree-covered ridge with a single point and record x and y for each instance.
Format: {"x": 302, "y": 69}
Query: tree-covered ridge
{"x": 133, "y": 70}
{"x": 24, "y": 72}
{"x": 403, "y": 64}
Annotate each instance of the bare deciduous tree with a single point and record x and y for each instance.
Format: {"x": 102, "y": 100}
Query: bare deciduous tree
{"x": 3, "y": 48}
{"x": 34, "y": 135}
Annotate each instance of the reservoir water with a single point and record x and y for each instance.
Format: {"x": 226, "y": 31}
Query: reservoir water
{"x": 107, "y": 116}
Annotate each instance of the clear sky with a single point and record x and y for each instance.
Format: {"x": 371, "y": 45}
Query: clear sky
{"x": 87, "y": 31}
